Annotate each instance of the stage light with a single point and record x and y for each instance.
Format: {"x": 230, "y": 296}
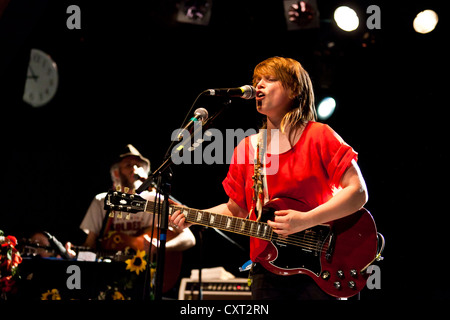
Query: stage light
{"x": 425, "y": 21}
{"x": 194, "y": 12}
{"x": 326, "y": 108}
{"x": 301, "y": 14}
{"x": 346, "y": 18}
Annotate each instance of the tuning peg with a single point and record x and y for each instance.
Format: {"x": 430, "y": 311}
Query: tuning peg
{"x": 119, "y": 188}
{"x": 119, "y": 215}
{"x": 126, "y": 189}
{"x": 127, "y": 216}
{"x": 111, "y": 214}
{"x": 133, "y": 191}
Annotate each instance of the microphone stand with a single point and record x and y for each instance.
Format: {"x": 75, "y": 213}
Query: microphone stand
{"x": 163, "y": 227}
{"x": 164, "y": 215}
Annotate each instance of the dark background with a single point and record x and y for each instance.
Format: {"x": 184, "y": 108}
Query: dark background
{"x": 132, "y": 72}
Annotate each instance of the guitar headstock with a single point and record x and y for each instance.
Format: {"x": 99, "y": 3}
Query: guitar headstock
{"x": 124, "y": 202}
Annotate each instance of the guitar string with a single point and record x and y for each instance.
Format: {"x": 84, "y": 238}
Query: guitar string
{"x": 293, "y": 239}
{"x": 304, "y": 240}
{"x": 304, "y": 237}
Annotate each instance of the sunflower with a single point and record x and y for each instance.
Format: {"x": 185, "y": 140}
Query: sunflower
{"x": 138, "y": 263}
{"x": 51, "y": 295}
{"x": 118, "y": 296}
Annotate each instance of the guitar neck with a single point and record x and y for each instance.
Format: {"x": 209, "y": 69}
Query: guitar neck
{"x": 220, "y": 221}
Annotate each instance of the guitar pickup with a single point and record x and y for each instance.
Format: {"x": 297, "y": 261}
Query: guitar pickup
{"x": 330, "y": 249}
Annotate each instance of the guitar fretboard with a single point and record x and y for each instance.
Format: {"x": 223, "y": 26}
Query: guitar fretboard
{"x": 227, "y": 223}
{"x": 312, "y": 239}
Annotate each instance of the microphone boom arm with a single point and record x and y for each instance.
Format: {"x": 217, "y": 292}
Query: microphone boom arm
{"x": 148, "y": 182}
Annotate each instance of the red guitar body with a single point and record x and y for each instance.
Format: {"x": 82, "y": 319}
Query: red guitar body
{"x": 336, "y": 254}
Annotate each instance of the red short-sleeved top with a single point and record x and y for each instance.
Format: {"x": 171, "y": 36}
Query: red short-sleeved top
{"x": 309, "y": 172}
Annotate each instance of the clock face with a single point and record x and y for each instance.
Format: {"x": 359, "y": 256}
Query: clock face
{"x": 42, "y": 79}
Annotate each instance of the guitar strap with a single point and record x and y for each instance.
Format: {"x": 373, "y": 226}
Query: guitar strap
{"x": 260, "y": 190}
{"x": 263, "y": 142}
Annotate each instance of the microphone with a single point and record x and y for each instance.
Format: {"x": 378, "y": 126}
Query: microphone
{"x": 139, "y": 177}
{"x": 57, "y": 245}
{"x": 246, "y": 92}
{"x": 199, "y": 115}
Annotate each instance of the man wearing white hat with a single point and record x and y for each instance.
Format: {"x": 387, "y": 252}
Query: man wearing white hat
{"x": 128, "y": 171}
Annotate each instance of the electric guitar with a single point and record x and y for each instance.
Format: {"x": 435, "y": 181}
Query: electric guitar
{"x": 335, "y": 255}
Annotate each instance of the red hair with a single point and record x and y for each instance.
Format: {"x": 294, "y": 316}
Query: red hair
{"x": 293, "y": 77}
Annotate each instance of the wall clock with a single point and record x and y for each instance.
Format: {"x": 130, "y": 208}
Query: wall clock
{"x": 42, "y": 79}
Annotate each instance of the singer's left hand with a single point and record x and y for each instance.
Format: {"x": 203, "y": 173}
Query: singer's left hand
{"x": 178, "y": 221}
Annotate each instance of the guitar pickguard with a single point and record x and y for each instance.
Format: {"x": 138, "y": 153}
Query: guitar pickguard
{"x": 300, "y": 252}
{"x": 307, "y": 255}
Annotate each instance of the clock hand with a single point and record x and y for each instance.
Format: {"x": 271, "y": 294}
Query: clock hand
{"x": 33, "y": 75}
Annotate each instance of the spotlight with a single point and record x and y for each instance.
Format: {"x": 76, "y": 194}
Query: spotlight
{"x": 194, "y": 12}
{"x": 346, "y": 18}
{"x": 326, "y": 108}
{"x": 425, "y": 21}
